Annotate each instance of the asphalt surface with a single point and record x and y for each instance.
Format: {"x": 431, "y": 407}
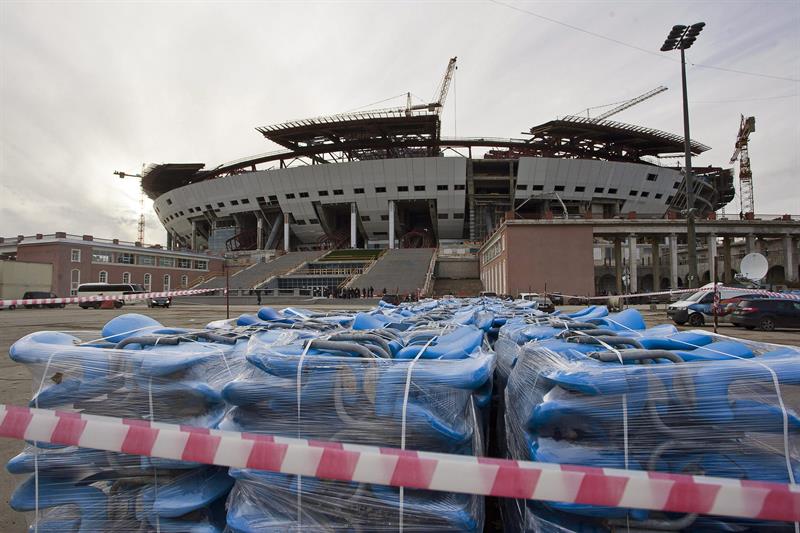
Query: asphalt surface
{"x": 15, "y": 382}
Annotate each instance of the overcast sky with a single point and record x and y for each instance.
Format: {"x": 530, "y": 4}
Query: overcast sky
{"x": 89, "y": 88}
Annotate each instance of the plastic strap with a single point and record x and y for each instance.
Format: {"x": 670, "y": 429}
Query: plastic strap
{"x": 299, "y": 383}
{"x": 155, "y": 469}
{"x": 403, "y": 420}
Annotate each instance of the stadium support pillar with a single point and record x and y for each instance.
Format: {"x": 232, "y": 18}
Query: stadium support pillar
{"x": 286, "y": 244}
{"x": 353, "y": 226}
{"x": 656, "y": 260}
{"x": 633, "y": 282}
{"x": 618, "y": 263}
{"x": 259, "y": 232}
{"x": 673, "y": 261}
{"x": 391, "y": 224}
{"x": 712, "y": 257}
{"x": 726, "y": 260}
{"x": 789, "y": 259}
{"x": 169, "y": 240}
{"x": 750, "y": 243}
{"x": 194, "y": 236}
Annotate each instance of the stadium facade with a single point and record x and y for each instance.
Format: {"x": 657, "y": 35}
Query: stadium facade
{"x": 388, "y": 178}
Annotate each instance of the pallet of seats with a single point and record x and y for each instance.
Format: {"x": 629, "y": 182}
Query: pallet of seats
{"x": 611, "y": 393}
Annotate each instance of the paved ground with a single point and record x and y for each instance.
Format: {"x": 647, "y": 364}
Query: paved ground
{"x": 15, "y": 385}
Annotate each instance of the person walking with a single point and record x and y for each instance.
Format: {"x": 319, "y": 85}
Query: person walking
{"x": 258, "y": 297}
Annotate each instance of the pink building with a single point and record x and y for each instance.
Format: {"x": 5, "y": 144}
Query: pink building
{"x": 80, "y": 259}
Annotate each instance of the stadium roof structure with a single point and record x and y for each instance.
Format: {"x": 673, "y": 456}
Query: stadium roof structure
{"x": 586, "y": 138}
{"x": 400, "y": 133}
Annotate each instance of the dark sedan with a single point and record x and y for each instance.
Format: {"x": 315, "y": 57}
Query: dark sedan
{"x": 767, "y": 314}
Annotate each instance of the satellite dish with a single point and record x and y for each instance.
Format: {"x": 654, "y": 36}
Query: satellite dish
{"x": 754, "y": 266}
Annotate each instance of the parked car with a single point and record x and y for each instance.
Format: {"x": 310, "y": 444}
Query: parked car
{"x": 34, "y": 295}
{"x": 159, "y": 301}
{"x": 767, "y": 313}
{"x": 557, "y": 298}
{"x": 544, "y": 302}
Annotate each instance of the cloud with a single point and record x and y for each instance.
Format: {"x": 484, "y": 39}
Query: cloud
{"x": 89, "y": 88}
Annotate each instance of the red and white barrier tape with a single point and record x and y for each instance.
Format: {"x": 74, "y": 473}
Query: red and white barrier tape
{"x": 406, "y": 468}
{"x": 85, "y": 299}
{"x": 771, "y": 294}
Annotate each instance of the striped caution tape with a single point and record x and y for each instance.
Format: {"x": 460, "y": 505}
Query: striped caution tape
{"x": 771, "y": 294}
{"x": 86, "y": 299}
{"x": 405, "y": 468}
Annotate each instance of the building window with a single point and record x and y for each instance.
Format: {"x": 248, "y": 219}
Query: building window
{"x": 166, "y": 282}
{"x": 303, "y": 195}
{"x": 633, "y": 193}
{"x": 322, "y": 193}
{"x": 652, "y": 177}
{"x": 442, "y": 187}
{"x": 180, "y": 213}
{"x": 645, "y": 194}
{"x": 103, "y": 277}
{"x": 147, "y": 282}
{"x": 148, "y": 260}
{"x": 558, "y": 188}
{"x": 669, "y": 200}
{"x": 443, "y": 216}
{"x": 384, "y": 217}
{"x": 169, "y": 202}
{"x": 458, "y": 215}
{"x": 580, "y": 188}
{"x": 300, "y": 222}
{"x": 537, "y": 187}
{"x": 599, "y": 190}
{"x": 184, "y": 281}
{"x": 125, "y": 258}
{"x": 191, "y": 209}
{"x": 74, "y": 281}
{"x": 273, "y": 198}
{"x": 358, "y": 190}
{"x": 126, "y": 277}
{"x": 419, "y": 188}
{"x": 658, "y": 196}
{"x": 522, "y": 187}
{"x": 209, "y": 207}
{"x": 75, "y": 255}
{"x": 245, "y": 201}
{"x": 234, "y": 202}
{"x": 313, "y": 221}
{"x": 380, "y": 189}
{"x": 676, "y": 184}
{"x": 220, "y": 204}
{"x": 402, "y": 188}
{"x": 338, "y": 192}
{"x": 612, "y": 191}
{"x": 184, "y": 263}
{"x": 459, "y": 187}
{"x": 101, "y": 257}
{"x": 166, "y": 262}
{"x": 201, "y": 265}
{"x": 290, "y": 196}
{"x": 364, "y": 218}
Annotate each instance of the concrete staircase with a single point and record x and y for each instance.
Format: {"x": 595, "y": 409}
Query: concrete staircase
{"x": 401, "y": 270}
{"x": 457, "y": 287}
{"x": 257, "y": 273}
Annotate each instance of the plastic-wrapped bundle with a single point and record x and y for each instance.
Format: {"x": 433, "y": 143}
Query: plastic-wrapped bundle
{"x": 421, "y": 389}
{"x": 135, "y": 369}
{"x": 689, "y": 402}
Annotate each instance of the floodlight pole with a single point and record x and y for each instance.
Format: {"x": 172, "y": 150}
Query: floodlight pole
{"x": 689, "y": 178}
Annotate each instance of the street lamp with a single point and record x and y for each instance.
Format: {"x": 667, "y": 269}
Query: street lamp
{"x": 681, "y": 38}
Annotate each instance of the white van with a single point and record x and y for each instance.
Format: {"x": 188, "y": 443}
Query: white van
{"x": 694, "y": 307}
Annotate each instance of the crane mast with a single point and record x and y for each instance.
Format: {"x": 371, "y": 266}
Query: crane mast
{"x": 741, "y": 152}
{"x": 140, "y": 225}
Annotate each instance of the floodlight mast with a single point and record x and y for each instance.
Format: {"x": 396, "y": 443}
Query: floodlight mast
{"x": 680, "y": 38}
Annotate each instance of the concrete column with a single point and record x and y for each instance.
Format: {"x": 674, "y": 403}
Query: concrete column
{"x": 259, "y": 233}
{"x": 391, "y": 224}
{"x": 169, "y": 240}
{"x": 618, "y": 263}
{"x": 656, "y": 259}
{"x": 789, "y": 258}
{"x": 633, "y": 264}
{"x": 286, "y": 244}
{"x": 726, "y": 260}
{"x": 712, "y": 256}
{"x": 673, "y": 260}
{"x": 194, "y": 236}
{"x": 353, "y": 226}
{"x": 750, "y": 243}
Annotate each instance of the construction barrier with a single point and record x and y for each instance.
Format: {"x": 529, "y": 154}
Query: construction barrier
{"x": 86, "y": 299}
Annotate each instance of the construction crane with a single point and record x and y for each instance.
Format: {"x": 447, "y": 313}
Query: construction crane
{"x": 140, "y": 227}
{"x": 438, "y": 105}
{"x": 624, "y": 105}
{"x": 746, "y": 127}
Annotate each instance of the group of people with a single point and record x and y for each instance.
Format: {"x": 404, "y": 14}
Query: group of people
{"x": 347, "y": 292}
